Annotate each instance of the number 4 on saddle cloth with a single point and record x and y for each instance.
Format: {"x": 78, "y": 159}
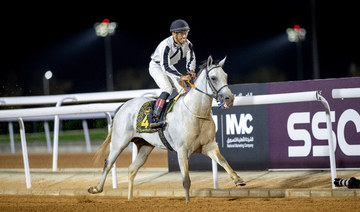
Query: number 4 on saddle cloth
{"x": 144, "y": 117}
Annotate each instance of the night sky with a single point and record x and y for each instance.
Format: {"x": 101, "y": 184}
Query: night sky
{"x": 61, "y": 38}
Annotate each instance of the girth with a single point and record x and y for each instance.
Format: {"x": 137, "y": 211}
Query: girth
{"x": 163, "y": 139}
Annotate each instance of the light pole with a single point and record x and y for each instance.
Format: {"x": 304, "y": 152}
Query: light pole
{"x": 47, "y": 76}
{"x": 105, "y": 29}
{"x": 316, "y": 69}
{"x": 297, "y": 35}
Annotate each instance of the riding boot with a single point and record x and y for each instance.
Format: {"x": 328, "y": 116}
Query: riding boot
{"x": 158, "y": 109}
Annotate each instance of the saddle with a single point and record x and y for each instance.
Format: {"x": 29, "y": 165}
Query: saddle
{"x": 145, "y": 116}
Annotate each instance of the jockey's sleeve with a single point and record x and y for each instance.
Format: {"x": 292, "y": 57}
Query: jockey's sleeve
{"x": 190, "y": 59}
{"x": 165, "y": 62}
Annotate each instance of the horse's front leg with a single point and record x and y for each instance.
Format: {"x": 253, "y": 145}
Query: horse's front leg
{"x": 184, "y": 168}
{"x": 212, "y": 150}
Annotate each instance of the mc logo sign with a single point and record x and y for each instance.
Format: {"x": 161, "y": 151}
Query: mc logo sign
{"x": 238, "y": 129}
{"x": 304, "y": 136}
{"x": 239, "y": 126}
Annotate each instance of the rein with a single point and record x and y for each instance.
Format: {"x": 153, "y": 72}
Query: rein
{"x": 215, "y": 93}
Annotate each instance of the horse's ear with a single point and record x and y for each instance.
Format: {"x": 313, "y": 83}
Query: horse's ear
{"x": 221, "y": 63}
{"x": 209, "y": 62}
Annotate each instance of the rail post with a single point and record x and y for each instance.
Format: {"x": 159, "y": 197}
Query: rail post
{"x": 330, "y": 140}
{"x": 25, "y": 153}
{"x": 56, "y": 133}
{"x": 11, "y": 134}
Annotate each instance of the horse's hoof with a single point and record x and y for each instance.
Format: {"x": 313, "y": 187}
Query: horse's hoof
{"x": 93, "y": 190}
{"x": 240, "y": 182}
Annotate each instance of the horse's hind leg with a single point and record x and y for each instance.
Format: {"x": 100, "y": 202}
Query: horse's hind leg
{"x": 212, "y": 150}
{"x": 144, "y": 150}
{"x": 117, "y": 146}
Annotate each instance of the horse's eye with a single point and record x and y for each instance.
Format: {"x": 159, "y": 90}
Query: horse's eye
{"x": 213, "y": 78}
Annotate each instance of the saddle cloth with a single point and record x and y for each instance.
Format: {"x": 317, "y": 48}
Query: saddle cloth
{"x": 144, "y": 117}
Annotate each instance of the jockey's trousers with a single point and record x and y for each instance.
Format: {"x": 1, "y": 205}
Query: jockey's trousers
{"x": 165, "y": 82}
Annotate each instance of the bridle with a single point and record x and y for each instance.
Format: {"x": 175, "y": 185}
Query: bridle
{"x": 215, "y": 92}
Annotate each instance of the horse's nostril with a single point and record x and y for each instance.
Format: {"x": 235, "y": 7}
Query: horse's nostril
{"x": 229, "y": 98}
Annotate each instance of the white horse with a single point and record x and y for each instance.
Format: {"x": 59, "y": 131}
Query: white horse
{"x": 189, "y": 129}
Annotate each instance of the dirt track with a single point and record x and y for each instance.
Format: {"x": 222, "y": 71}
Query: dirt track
{"x": 101, "y": 203}
{"x": 156, "y": 159}
{"x": 78, "y": 160}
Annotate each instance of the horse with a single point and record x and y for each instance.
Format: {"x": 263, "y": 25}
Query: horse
{"x": 189, "y": 128}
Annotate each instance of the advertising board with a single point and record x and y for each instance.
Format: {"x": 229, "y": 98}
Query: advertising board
{"x": 285, "y": 136}
{"x": 297, "y": 131}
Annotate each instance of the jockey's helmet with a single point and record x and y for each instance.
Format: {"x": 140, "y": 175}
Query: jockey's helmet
{"x": 179, "y": 25}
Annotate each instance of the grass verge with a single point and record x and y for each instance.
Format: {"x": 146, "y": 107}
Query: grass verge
{"x": 68, "y": 135}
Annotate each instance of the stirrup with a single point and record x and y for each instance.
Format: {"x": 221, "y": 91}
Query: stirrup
{"x": 157, "y": 124}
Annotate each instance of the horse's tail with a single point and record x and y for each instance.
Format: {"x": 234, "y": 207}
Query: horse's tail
{"x": 103, "y": 147}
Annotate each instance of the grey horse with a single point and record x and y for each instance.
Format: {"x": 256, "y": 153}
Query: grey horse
{"x": 189, "y": 129}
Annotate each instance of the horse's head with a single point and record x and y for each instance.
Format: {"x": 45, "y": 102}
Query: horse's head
{"x": 217, "y": 82}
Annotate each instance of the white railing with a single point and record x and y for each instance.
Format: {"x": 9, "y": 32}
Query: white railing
{"x": 344, "y": 93}
{"x": 58, "y": 100}
{"x": 34, "y": 113}
{"x": 77, "y": 98}
{"x": 46, "y": 111}
{"x": 63, "y": 110}
{"x": 82, "y": 117}
{"x": 110, "y": 107}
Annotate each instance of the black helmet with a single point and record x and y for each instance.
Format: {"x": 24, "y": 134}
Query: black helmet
{"x": 179, "y": 25}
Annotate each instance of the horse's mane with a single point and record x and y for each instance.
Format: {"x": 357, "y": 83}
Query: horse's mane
{"x": 203, "y": 65}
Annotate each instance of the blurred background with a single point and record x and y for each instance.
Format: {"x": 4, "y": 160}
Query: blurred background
{"x": 60, "y": 37}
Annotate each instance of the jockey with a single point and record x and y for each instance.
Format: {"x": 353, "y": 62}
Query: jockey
{"x": 161, "y": 67}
